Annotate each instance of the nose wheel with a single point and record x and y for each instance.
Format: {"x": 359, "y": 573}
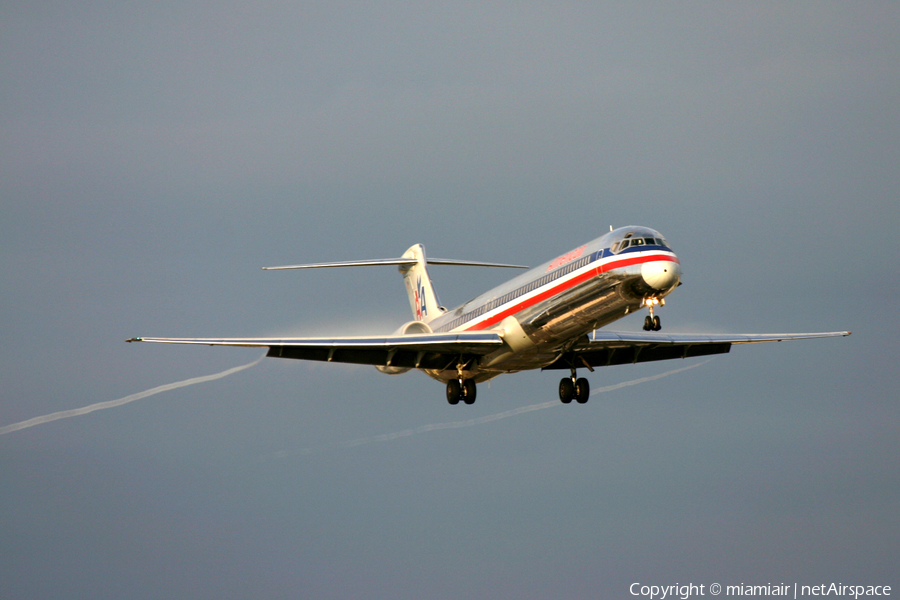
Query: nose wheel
{"x": 652, "y": 323}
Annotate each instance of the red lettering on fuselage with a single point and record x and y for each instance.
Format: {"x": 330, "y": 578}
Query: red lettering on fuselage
{"x": 566, "y": 258}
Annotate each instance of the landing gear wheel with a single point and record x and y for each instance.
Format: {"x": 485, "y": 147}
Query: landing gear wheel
{"x": 656, "y": 324}
{"x": 582, "y": 390}
{"x": 453, "y": 391}
{"x": 566, "y": 390}
{"x": 648, "y": 323}
{"x": 468, "y": 391}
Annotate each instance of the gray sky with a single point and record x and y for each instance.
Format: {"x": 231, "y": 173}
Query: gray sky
{"x": 153, "y": 156}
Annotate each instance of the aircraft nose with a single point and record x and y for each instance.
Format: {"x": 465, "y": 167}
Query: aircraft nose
{"x": 661, "y": 274}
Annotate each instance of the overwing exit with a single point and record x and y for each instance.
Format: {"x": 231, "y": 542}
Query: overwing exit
{"x": 546, "y": 318}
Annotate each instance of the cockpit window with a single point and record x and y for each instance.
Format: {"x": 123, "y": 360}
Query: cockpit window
{"x": 631, "y": 242}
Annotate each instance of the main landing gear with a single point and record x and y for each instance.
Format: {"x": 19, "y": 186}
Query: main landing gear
{"x": 574, "y": 388}
{"x": 461, "y": 389}
{"x": 651, "y": 322}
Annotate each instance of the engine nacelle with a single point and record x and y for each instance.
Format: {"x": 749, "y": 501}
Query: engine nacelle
{"x": 413, "y": 327}
{"x": 405, "y": 329}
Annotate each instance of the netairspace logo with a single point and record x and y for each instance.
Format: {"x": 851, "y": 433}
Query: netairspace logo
{"x": 693, "y": 590}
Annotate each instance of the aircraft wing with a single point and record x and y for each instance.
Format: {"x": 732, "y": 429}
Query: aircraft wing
{"x": 417, "y": 351}
{"x": 612, "y": 348}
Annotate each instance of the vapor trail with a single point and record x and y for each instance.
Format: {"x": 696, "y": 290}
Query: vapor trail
{"x": 76, "y": 412}
{"x": 386, "y": 437}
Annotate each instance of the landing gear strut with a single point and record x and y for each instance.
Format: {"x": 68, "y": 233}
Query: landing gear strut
{"x": 573, "y": 387}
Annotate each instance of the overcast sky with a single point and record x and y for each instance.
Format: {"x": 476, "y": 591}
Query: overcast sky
{"x": 154, "y": 155}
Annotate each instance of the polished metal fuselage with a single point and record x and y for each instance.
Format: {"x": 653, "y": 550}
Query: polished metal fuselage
{"x": 544, "y": 312}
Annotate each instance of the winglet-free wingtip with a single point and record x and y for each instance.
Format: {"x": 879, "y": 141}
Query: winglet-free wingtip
{"x": 134, "y": 339}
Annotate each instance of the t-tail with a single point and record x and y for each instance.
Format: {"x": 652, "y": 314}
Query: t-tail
{"x": 422, "y": 299}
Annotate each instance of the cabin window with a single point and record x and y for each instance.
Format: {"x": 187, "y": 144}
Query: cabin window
{"x": 624, "y": 244}
{"x": 637, "y": 242}
{"x": 649, "y": 241}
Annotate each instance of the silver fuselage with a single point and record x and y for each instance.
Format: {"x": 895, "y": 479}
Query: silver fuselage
{"x": 545, "y": 311}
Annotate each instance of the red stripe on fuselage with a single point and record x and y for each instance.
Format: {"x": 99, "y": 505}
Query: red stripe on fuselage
{"x": 627, "y": 262}
{"x": 568, "y": 284}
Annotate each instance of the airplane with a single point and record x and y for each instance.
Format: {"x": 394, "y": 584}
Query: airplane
{"x": 546, "y": 318}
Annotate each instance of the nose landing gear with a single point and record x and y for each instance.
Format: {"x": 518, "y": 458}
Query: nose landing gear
{"x": 651, "y": 322}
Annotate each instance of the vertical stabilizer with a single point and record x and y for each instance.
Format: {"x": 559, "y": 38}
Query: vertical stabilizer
{"x": 422, "y": 299}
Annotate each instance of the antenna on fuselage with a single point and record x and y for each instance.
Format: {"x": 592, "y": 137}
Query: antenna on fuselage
{"x": 610, "y": 227}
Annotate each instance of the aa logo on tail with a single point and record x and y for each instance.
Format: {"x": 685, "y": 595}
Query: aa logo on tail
{"x": 421, "y": 308}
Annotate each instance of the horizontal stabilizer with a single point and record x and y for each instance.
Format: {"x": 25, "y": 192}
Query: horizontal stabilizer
{"x": 375, "y": 262}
